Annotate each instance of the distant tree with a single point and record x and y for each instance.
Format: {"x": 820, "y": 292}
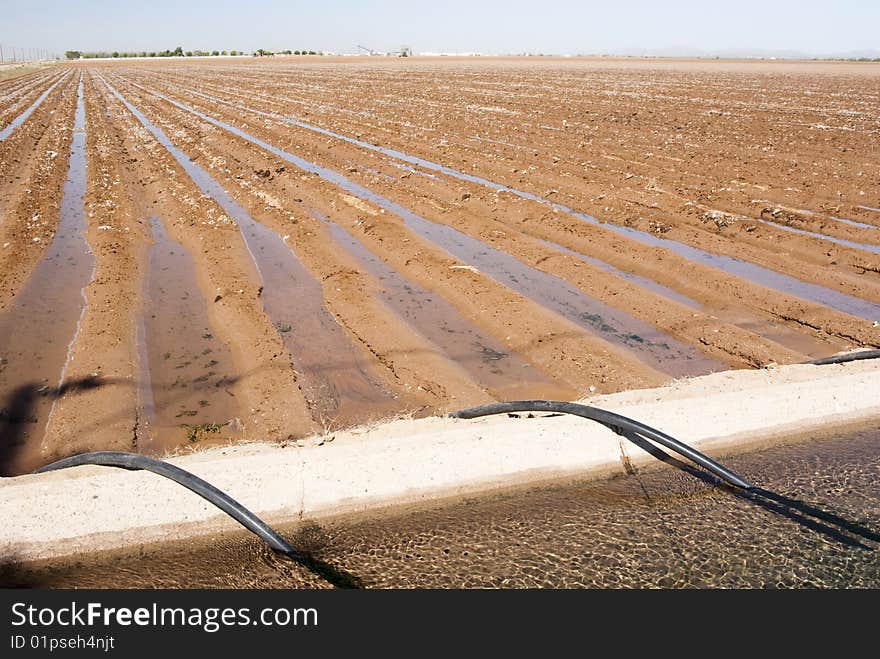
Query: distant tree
{"x": 312, "y": 52}
{"x": 73, "y": 54}
{"x": 153, "y": 53}
{"x": 143, "y": 53}
{"x": 286, "y": 52}
{"x": 233, "y": 52}
{"x": 189, "y": 53}
{"x": 223, "y": 52}
{"x": 115, "y": 54}
{"x": 178, "y": 52}
{"x": 296, "y": 52}
{"x": 215, "y": 53}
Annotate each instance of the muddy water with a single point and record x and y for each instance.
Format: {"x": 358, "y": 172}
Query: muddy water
{"x": 186, "y": 372}
{"x": 20, "y": 119}
{"x": 13, "y": 91}
{"x": 737, "y": 267}
{"x": 413, "y": 170}
{"x": 800, "y": 341}
{"x": 146, "y": 405}
{"x": 785, "y": 336}
{"x": 38, "y": 328}
{"x": 14, "y": 99}
{"x": 644, "y": 282}
{"x": 335, "y": 376}
{"x": 375, "y": 172}
{"x": 647, "y": 343}
{"x": 503, "y": 374}
{"x": 662, "y": 528}
{"x": 777, "y": 332}
{"x": 853, "y": 223}
{"x": 875, "y": 249}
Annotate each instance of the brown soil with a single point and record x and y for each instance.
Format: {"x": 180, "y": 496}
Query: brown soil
{"x": 18, "y": 97}
{"x": 695, "y": 152}
{"x": 33, "y": 166}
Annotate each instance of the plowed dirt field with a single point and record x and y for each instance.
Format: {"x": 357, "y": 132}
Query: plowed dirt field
{"x": 198, "y": 251}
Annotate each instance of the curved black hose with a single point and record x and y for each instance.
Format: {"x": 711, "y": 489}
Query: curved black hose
{"x": 223, "y": 501}
{"x": 848, "y": 357}
{"x": 615, "y": 422}
{"x": 190, "y": 481}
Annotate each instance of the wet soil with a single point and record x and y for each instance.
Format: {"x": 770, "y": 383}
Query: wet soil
{"x": 589, "y": 226}
{"x": 775, "y": 306}
{"x": 505, "y": 375}
{"x": 186, "y": 371}
{"x": 39, "y": 327}
{"x": 334, "y": 371}
{"x": 33, "y": 168}
{"x": 21, "y": 118}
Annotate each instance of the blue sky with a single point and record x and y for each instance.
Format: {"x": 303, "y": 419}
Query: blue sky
{"x": 493, "y": 26}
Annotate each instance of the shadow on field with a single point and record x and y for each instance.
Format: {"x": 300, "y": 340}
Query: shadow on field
{"x": 18, "y": 414}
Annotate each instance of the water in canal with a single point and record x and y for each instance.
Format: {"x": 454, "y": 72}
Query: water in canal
{"x": 658, "y": 528}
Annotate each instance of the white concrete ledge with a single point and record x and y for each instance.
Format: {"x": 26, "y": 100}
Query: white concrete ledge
{"x": 86, "y": 509}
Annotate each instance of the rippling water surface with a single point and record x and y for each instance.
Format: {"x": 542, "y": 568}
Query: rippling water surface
{"x": 662, "y": 527}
